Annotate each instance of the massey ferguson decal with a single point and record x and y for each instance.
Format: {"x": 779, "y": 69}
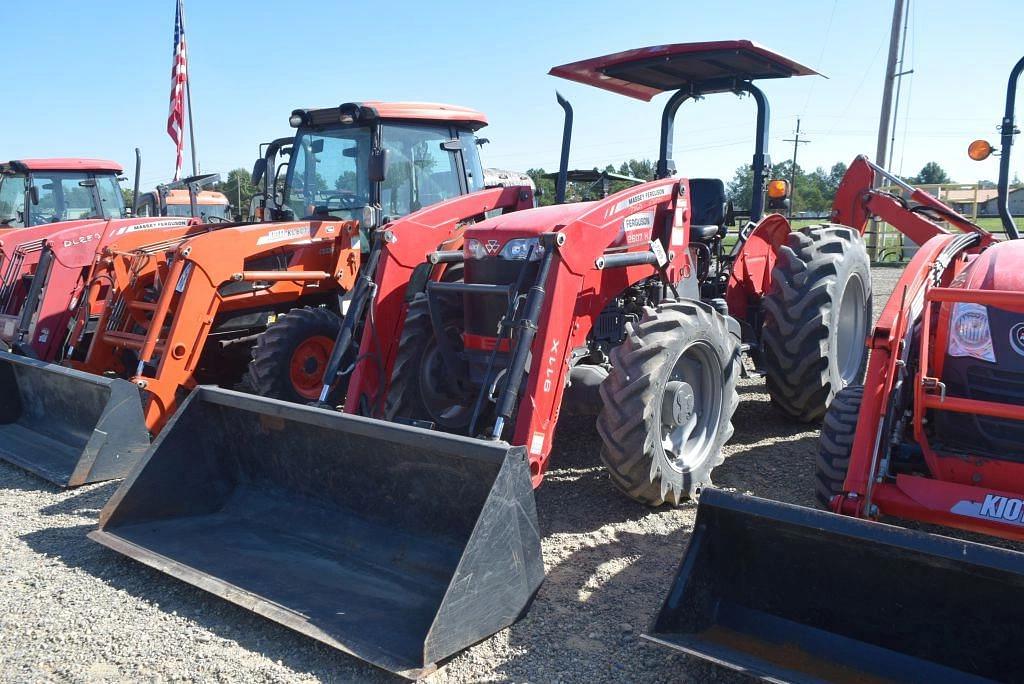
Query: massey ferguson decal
{"x": 492, "y": 247}
{"x": 166, "y": 223}
{"x": 995, "y": 507}
{"x": 1017, "y": 338}
{"x": 653, "y": 193}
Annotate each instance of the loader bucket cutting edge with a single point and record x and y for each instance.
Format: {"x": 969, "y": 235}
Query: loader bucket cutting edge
{"x": 397, "y": 545}
{"x": 66, "y": 426}
{"x": 789, "y": 593}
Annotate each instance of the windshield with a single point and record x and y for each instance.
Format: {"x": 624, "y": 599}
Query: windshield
{"x": 327, "y": 174}
{"x": 70, "y": 196}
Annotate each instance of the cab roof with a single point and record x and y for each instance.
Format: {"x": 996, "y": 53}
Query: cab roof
{"x": 708, "y": 67}
{"x": 398, "y": 111}
{"x": 61, "y": 164}
{"x": 204, "y": 197}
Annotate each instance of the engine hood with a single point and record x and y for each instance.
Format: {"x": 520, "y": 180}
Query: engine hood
{"x": 529, "y": 221}
{"x": 1000, "y": 267}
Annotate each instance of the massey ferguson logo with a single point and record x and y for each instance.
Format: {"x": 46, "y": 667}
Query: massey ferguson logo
{"x": 994, "y": 507}
{"x": 492, "y": 247}
{"x": 81, "y": 240}
{"x": 1017, "y": 338}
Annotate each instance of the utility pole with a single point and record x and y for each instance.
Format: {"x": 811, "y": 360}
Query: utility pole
{"x": 899, "y": 86}
{"x": 884, "y": 118}
{"x": 792, "y": 172}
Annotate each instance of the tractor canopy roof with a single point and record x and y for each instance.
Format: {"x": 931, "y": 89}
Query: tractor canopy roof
{"x": 373, "y": 110}
{"x": 700, "y": 67}
{"x": 60, "y": 164}
{"x": 593, "y": 176}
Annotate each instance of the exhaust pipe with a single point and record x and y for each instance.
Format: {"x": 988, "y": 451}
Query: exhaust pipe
{"x": 794, "y": 594}
{"x": 66, "y": 426}
{"x": 397, "y": 545}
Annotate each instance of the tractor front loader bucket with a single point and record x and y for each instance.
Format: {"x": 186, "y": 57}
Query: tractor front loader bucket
{"x": 66, "y": 426}
{"x": 395, "y": 544}
{"x": 795, "y": 594}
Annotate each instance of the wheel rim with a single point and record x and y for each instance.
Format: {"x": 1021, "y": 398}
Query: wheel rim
{"x": 691, "y": 408}
{"x": 851, "y": 331}
{"x": 306, "y": 370}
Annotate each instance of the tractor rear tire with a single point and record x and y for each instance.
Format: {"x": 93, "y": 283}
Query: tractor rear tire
{"x": 836, "y": 444}
{"x": 680, "y": 359}
{"x": 289, "y": 358}
{"x": 817, "y": 318}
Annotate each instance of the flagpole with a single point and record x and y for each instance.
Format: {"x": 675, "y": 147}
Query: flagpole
{"x": 188, "y": 96}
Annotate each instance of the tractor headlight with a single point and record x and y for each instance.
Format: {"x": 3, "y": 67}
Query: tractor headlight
{"x": 473, "y": 249}
{"x": 969, "y": 333}
{"x": 520, "y": 248}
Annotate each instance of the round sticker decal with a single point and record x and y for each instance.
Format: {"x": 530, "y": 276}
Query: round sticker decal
{"x": 1017, "y": 338}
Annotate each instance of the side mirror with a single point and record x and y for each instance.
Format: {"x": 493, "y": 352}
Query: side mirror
{"x": 378, "y": 165}
{"x": 317, "y": 146}
{"x": 979, "y": 150}
{"x": 259, "y": 169}
{"x": 33, "y": 193}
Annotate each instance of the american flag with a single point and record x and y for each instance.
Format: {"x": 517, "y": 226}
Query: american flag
{"x": 179, "y": 80}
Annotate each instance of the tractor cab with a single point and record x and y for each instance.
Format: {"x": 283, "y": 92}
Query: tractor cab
{"x": 268, "y": 180}
{"x": 376, "y": 161}
{"x": 187, "y": 197}
{"x": 40, "y": 191}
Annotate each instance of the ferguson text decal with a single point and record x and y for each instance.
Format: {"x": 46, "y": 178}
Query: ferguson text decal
{"x": 170, "y": 223}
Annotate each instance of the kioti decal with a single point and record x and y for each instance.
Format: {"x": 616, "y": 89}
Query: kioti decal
{"x": 995, "y": 507}
{"x": 284, "y": 235}
{"x": 82, "y": 239}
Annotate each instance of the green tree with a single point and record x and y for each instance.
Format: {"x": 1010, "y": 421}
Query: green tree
{"x": 545, "y": 186}
{"x": 931, "y": 174}
{"x": 740, "y": 189}
{"x": 238, "y": 188}
{"x": 644, "y": 169}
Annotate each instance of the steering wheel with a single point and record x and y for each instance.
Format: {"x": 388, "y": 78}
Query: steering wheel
{"x": 347, "y": 199}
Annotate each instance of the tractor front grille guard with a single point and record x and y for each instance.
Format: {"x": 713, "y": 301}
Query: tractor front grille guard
{"x": 930, "y": 392}
{"x": 523, "y": 318}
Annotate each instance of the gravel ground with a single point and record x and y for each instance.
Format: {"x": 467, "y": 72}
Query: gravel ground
{"x": 71, "y": 610}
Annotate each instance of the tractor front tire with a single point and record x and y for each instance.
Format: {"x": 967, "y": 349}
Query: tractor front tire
{"x": 817, "y": 319}
{"x": 289, "y": 357}
{"x": 669, "y": 402}
{"x": 836, "y": 443}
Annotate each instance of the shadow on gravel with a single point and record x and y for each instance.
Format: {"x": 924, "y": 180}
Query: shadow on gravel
{"x": 781, "y": 471}
{"x": 586, "y": 622}
{"x": 87, "y": 501}
{"x": 70, "y": 546}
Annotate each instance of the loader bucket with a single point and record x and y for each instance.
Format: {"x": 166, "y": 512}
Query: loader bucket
{"x": 395, "y": 544}
{"x": 66, "y": 426}
{"x": 794, "y": 594}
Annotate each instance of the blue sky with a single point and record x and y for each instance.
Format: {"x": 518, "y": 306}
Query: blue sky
{"x": 92, "y": 79}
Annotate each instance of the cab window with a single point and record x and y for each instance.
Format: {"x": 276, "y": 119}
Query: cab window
{"x": 471, "y": 158}
{"x": 420, "y": 171}
{"x": 12, "y": 201}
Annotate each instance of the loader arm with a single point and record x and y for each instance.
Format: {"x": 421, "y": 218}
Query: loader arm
{"x": 206, "y": 276}
{"x": 406, "y": 245}
{"x": 858, "y": 200}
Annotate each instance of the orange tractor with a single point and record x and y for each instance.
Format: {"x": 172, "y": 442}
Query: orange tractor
{"x": 933, "y": 435}
{"x": 188, "y": 306}
{"x": 410, "y": 538}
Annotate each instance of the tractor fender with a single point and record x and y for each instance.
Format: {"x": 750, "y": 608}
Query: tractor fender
{"x": 752, "y": 269}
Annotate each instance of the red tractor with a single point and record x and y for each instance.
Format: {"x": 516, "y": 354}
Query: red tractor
{"x": 37, "y": 192}
{"x": 410, "y": 538}
{"x": 933, "y": 435}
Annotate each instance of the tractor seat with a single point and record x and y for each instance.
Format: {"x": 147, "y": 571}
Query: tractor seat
{"x": 707, "y": 209}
